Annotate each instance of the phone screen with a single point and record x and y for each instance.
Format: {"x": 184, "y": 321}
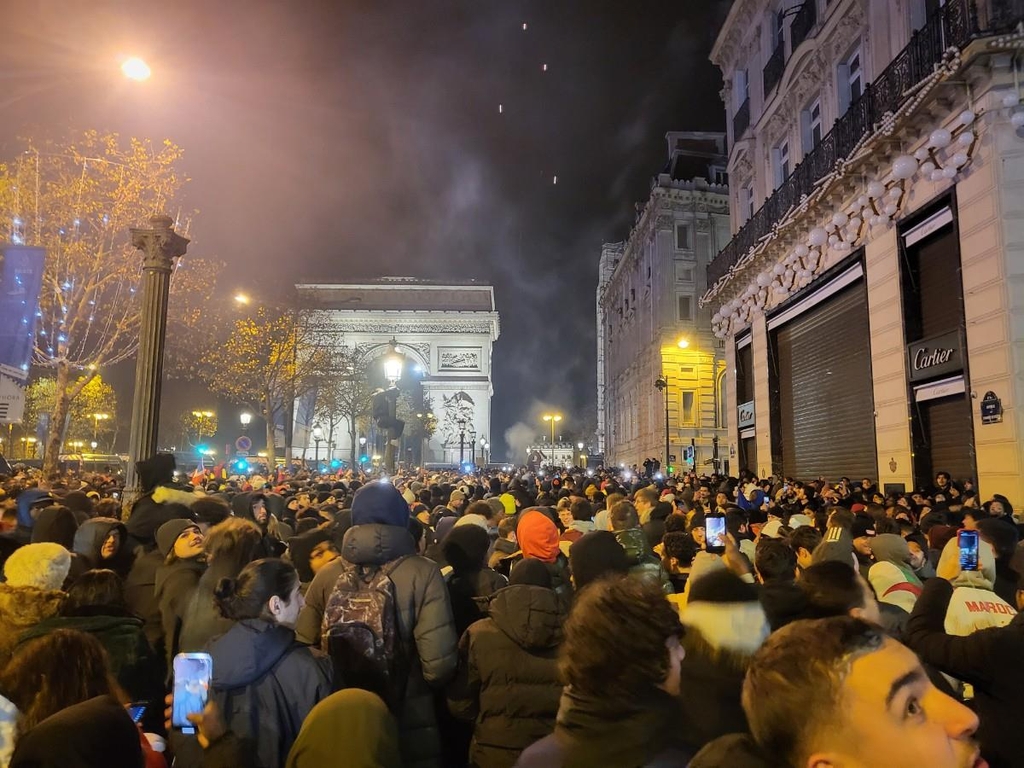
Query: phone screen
{"x": 192, "y": 675}
{"x": 968, "y": 543}
{"x": 714, "y": 531}
{"x": 136, "y": 710}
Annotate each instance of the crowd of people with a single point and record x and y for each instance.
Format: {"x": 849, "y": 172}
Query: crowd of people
{"x": 551, "y": 618}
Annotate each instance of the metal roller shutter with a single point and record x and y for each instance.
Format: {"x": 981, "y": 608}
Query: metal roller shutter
{"x": 947, "y": 427}
{"x": 825, "y": 398}
{"x": 748, "y": 455}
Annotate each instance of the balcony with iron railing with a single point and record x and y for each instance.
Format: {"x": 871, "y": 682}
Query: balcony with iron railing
{"x": 956, "y": 24}
{"x": 741, "y": 120}
{"x": 774, "y": 68}
{"x": 803, "y": 23}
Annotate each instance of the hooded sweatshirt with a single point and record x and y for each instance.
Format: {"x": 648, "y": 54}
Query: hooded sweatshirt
{"x": 89, "y": 545}
{"x": 538, "y": 536}
{"x": 892, "y": 578}
{"x": 265, "y": 683}
{"x": 973, "y": 605}
{"x": 357, "y": 719}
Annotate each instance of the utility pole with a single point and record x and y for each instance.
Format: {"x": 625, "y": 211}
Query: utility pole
{"x": 662, "y": 384}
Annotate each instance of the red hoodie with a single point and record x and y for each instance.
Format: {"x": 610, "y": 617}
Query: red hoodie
{"x": 538, "y": 537}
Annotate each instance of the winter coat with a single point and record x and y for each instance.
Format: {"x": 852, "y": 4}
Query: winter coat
{"x": 719, "y": 642}
{"x": 783, "y": 602}
{"x": 425, "y": 623}
{"x": 21, "y": 608}
{"x": 140, "y": 593}
{"x": 175, "y": 585}
{"x": 89, "y": 543}
{"x": 202, "y": 620}
{"x": 93, "y": 733}
{"x": 358, "y": 719}
{"x": 508, "y": 674}
{"x": 154, "y": 509}
{"x": 134, "y": 663}
{"x": 265, "y": 683}
{"x": 987, "y": 660}
{"x": 597, "y": 732}
{"x": 642, "y": 561}
{"x": 465, "y": 591}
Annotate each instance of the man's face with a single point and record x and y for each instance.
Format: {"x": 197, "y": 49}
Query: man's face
{"x": 565, "y": 516}
{"x": 941, "y": 481}
{"x": 917, "y": 555}
{"x": 111, "y": 544}
{"x": 721, "y": 500}
{"x": 698, "y": 536}
{"x": 259, "y": 511}
{"x": 893, "y": 715}
{"x": 189, "y": 543}
{"x": 322, "y": 554}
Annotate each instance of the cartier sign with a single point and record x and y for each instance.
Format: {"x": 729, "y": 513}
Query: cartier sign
{"x": 934, "y": 357}
{"x": 745, "y": 415}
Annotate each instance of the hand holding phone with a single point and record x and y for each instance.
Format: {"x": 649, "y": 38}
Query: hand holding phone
{"x": 967, "y": 541}
{"x": 714, "y": 533}
{"x": 193, "y": 673}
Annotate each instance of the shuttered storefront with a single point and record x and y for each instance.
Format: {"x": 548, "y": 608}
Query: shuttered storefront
{"x": 745, "y": 394}
{"x": 947, "y": 431}
{"x": 748, "y": 455}
{"x": 823, "y": 372}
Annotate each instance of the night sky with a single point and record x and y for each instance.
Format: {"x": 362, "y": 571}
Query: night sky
{"x": 339, "y": 140}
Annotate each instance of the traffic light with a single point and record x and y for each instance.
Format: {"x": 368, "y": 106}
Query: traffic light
{"x": 335, "y": 464}
{"x": 671, "y": 470}
{"x": 363, "y": 459}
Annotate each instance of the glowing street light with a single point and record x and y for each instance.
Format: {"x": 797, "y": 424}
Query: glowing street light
{"x": 393, "y": 363}
{"x": 683, "y": 343}
{"x": 553, "y": 418}
{"x": 242, "y": 298}
{"x": 135, "y": 69}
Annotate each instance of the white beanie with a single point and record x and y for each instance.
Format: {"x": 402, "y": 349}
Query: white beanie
{"x": 44, "y": 566}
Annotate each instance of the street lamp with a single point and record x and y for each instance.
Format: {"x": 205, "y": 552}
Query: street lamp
{"x": 462, "y": 441}
{"x": 246, "y": 418}
{"x": 93, "y": 444}
{"x": 683, "y": 343}
{"x": 393, "y": 363}
{"x": 483, "y": 442}
{"x": 318, "y": 435}
{"x": 201, "y": 418}
{"x": 96, "y": 419}
{"x": 242, "y": 298}
{"x": 662, "y": 384}
{"x": 553, "y": 418}
{"x": 135, "y": 69}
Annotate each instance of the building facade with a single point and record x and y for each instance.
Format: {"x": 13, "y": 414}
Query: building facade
{"x": 871, "y": 299}
{"x": 445, "y": 331}
{"x": 649, "y": 324}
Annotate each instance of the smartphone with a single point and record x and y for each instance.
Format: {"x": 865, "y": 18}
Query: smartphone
{"x": 137, "y": 709}
{"x": 968, "y": 543}
{"x": 193, "y": 673}
{"x": 714, "y": 533}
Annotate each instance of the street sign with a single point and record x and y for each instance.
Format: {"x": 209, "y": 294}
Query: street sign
{"x": 671, "y": 457}
{"x": 243, "y": 445}
{"x": 991, "y": 409}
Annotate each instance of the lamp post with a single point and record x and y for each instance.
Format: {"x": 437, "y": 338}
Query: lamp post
{"x": 392, "y": 372}
{"x": 487, "y": 453}
{"x": 462, "y": 441}
{"x": 583, "y": 456}
{"x": 160, "y": 246}
{"x": 245, "y": 418}
{"x": 662, "y": 384}
{"x": 318, "y": 435}
{"x": 552, "y": 418}
{"x": 362, "y": 452}
{"x": 96, "y": 419}
{"x": 483, "y": 442}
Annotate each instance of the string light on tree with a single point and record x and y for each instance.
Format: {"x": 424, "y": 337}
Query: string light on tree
{"x": 524, "y": 26}
{"x": 555, "y": 180}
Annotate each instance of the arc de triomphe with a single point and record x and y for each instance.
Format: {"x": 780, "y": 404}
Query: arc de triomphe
{"x": 445, "y": 330}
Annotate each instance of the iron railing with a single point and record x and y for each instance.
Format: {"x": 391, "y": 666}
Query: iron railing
{"x": 803, "y": 23}
{"x": 774, "y": 68}
{"x": 741, "y": 120}
{"x": 955, "y": 24}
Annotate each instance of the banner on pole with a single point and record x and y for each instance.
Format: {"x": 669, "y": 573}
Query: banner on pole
{"x": 21, "y": 278}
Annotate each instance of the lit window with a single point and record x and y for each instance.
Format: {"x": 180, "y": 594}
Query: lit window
{"x": 688, "y": 410}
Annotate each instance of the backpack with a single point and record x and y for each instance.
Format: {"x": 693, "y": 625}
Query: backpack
{"x": 361, "y": 635}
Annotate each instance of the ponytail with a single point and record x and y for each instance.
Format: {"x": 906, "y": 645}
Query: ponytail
{"x": 246, "y": 597}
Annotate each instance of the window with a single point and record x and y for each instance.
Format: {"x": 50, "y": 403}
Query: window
{"x": 684, "y": 237}
{"x": 780, "y": 163}
{"x": 778, "y": 22}
{"x": 850, "y": 78}
{"x": 688, "y": 409}
{"x": 684, "y": 273}
{"x": 718, "y": 175}
{"x": 685, "y": 307}
{"x": 810, "y": 125}
{"x": 746, "y": 207}
{"x": 740, "y": 89}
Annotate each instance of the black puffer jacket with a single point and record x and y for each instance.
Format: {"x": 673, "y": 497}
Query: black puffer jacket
{"x": 139, "y": 591}
{"x": 425, "y": 621}
{"x": 508, "y": 674}
{"x": 150, "y": 511}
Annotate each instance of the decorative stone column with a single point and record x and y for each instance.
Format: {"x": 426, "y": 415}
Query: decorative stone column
{"x": 160, "y": 246}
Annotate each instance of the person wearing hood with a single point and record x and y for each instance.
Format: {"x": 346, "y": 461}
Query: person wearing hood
{"x": 357, "y": 719}
{"x": 103, "y": 543}
{"x": 985, "y": 656}
{"x": 508, "y": 683}
{"x": 80, "y": 504}
{"x": 264, "y": 681}
{"x": 892, "y": 577}
{"x": 725, "y": 625}
{"x": 380, "y": 537}
{"x": 465, "y": 550}
{"x": 160, "y": 501}
{"x": 31, "y": 591}
{"x": 180, "y": 544}
{"x": 644, "y": 564}
{"x": 596, "y": 555}
{"x": 253, "y": 506}
{"x": 96, "y": 605}
{"x": 310, "y": 551}
{"x": 620, "y": 662}
{"x": 57, "y": 523}
{"x": 30, "y": 502}
{"x": 537, "y": 536}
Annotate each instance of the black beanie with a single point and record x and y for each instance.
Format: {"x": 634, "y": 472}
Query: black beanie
{"x": 530, "y": 572}
{"x": 595, "y": 555}
{"x": 721, "y": 586}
